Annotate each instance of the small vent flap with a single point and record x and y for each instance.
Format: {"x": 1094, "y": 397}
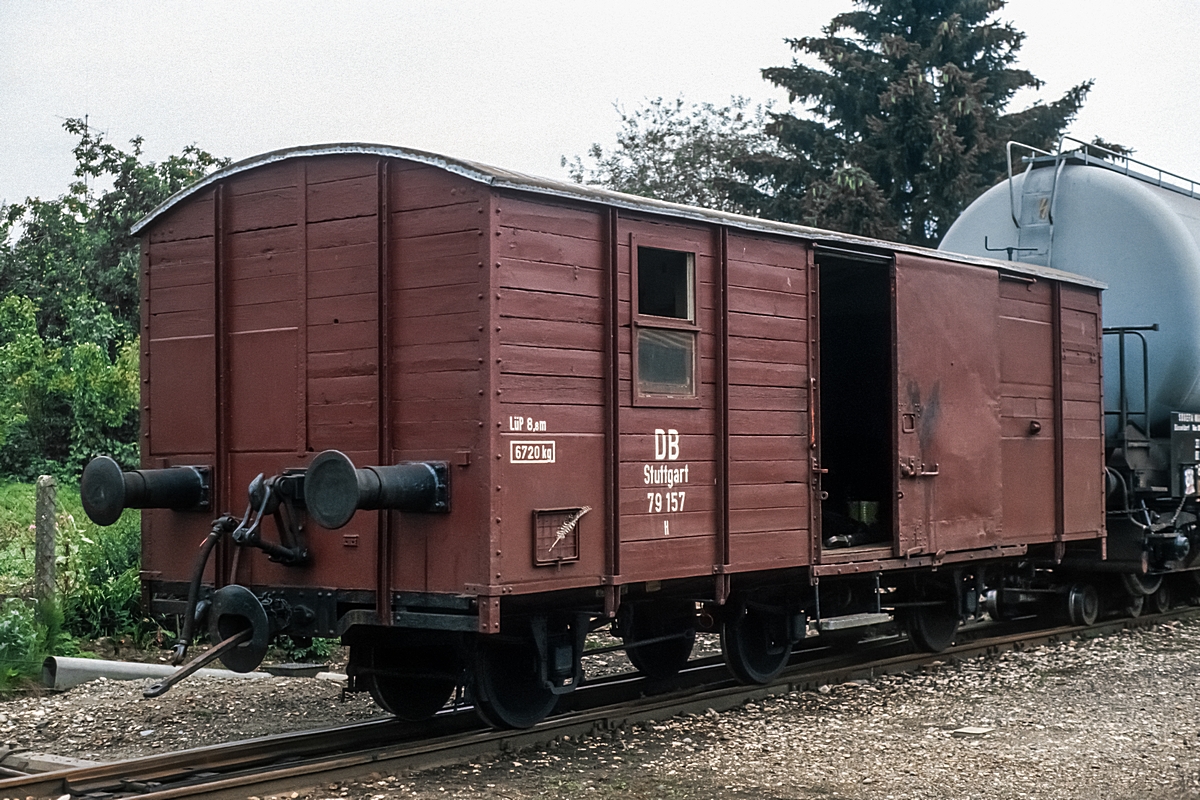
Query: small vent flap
{"x": 556, "y": 535}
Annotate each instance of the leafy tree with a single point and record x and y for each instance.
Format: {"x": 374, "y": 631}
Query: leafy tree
{"x": 76, "y": 249}
{"x": 69, "y": 307}
{"x": 684, "y": 153}
{"x": 64, "y": 403}
{"x": 905, "y": 105}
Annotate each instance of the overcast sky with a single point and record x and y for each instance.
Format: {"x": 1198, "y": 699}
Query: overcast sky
{"x": 516, "y": 84}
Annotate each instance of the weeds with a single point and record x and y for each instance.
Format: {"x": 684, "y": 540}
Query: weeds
{"x": 97, "y": 576}
{"x": 19, "y": 655}
{"x": 30, "y": 631}
{"x": 305, "y": 649}
{"x": 100, "y": 580}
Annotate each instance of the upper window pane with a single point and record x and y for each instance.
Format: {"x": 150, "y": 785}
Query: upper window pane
{"x": 665, "y": 283}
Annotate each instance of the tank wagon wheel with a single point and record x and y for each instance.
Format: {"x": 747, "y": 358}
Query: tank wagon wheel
{"x": 1083, "y": 604}
{"x": 660, "y": 660}
{"x": 999, "y": 604}
{"x": 412, "y": 683}
{"x": 1162, "y": 601}
{"x": 1130, "y": 594}
{"x": 755, "y": 641}
{"x": 507, "y": 687}
{"x": 1141, "y": 585}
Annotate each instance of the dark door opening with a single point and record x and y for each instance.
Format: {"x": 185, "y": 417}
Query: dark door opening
{"x": 856, "y": 388}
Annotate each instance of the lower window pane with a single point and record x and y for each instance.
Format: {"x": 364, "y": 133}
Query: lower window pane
{"x": 666, "y": 362}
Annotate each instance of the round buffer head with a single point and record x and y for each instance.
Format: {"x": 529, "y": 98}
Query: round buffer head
{"x": 102, "y": 489}
{"x": 331, "y": 489}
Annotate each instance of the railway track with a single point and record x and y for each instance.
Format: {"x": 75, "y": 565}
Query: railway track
{"x": 304, "y": 759}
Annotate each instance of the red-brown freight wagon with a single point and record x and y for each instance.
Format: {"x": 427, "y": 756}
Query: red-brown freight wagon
{"x": 583, "y": 407}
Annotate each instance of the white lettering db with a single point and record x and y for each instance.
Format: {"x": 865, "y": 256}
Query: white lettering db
{"x": 666, "y": 444}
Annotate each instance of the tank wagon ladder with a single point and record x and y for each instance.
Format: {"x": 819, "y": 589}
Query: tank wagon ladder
{"x": 1123, "y": 412}
{"x": 1034, "y": 215}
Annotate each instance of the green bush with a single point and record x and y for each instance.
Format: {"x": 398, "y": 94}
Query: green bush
{"x": 98, "y": 568}
{"x": 60, "y": 404}
{"x": 108, "y": 608}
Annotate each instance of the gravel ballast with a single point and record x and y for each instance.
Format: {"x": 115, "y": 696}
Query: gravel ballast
{"x": 1114, "y": 717}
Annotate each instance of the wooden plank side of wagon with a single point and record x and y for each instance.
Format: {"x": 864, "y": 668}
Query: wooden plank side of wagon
{"x": 438, "y": 312}
{"x": 671, "y": 524}
{"x": 178, "y": 365}
{"x": 1082, "y": 390}
{"x": 1027, "y": 418}
{"x": 768, "y": 414}
{"x": 548, "y": 268}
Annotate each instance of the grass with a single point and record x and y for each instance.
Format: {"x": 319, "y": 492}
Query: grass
{"x": 16, "y": 537}
{"x": 97, "y": 578}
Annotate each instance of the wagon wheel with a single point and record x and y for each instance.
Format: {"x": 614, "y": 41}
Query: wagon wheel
{"x": 754, "y": 639}
{"x": 411, "y": 683}
{"x": 933, "y": 624}
{"x": 507, "y": 687}
{"x": 1134, "y": 595}
{"x": 932, "y": 627}
{"x": 1083, "y": 604}
{"x": 660, "y": 660}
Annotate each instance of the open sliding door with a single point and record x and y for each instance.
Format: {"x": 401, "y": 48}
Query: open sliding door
{"x": 947, "y": 388}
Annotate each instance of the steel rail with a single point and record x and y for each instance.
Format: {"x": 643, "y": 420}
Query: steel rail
{"x": 292, "y": 761}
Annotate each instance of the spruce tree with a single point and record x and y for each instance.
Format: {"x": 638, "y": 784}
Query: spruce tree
{"x": 904, "y": 118}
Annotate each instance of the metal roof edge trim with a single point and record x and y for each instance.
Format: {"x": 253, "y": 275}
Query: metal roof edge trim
{"x": 464, "y": 168}
{"x": 515, "y": 181}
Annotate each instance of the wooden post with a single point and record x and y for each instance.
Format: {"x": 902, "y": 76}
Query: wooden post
{"x": 46, "y": 525}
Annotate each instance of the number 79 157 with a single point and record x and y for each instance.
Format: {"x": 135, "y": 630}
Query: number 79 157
{"x": 669, "y": 502}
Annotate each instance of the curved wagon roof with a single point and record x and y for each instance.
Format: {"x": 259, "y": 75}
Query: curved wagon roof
{"x": 507, "y": 179}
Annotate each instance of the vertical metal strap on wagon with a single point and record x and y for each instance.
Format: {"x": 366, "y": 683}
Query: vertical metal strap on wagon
{"x": 223, "y": 484}
{"x": 302, "y": 301}
{"x": 144, "y": 391}
{"x": 722, "y": 281}
{"x": 383, "y": 536}
{"x": 489, "y": 254}
{"x": 814, "y": 411}
{"x": 1060, "y": 524}
{"x": 612, "y": 492}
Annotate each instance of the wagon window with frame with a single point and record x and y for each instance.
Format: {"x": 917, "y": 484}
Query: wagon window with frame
{"x": 665, "y": 330}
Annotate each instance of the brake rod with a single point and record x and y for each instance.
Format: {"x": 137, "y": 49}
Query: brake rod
{"x": 204, "y": 658}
